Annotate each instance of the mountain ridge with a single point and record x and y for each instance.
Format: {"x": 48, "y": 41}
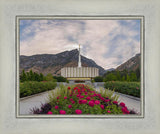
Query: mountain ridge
{"x": 131, "y": 64}
{"x": 52, "y": 63}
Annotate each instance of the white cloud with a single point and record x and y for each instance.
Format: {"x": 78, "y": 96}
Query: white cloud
{"x": 94, "y": 36}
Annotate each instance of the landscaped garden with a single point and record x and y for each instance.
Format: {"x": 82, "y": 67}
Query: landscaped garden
{"x": 82, "y": 99}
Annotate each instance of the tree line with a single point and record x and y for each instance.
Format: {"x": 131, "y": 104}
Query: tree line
{"x": 116, "y": 75}
{"x": 33, "y": 76}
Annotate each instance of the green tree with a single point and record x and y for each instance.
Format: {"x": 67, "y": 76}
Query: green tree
{"x": 118, "y": 76}
{"x": 41, "y": 77}
{"x": 49, "y": 77}
{"x": 36, "y": 76}
{"x": 123, "y": 78}
{"x": 110, "y": 77}
{"x": 23, "y": 76}
{"x": 60, "y": 78}
{"x": 27, "y": 76}
{"x": 133, "y": 76}
{"x": 98, "y": 79}
{"x": 31, "y": 76}
{"x": 128, "y": 78}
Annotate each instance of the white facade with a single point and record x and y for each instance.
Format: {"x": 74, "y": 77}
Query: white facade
{"x": 83, "y": 72}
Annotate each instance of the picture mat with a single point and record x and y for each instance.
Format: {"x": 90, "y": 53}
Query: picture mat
{"x": 8, "y": 121}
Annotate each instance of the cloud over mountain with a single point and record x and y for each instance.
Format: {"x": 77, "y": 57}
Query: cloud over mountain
{"x": 108, "y": 42}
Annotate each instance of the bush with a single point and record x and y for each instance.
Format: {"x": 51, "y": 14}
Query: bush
{"x": 98, "y": 79}
{"x": 34, "y": 87}
{"x": 49, "y": 77}
{"x": 129, "y": 88}
{"x": 60, "y": 79}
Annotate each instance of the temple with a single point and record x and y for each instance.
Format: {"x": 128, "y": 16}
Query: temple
{"x": 79, "y": 74}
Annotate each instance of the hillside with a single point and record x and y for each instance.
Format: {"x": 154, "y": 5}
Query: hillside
{"x": 132, "y": 64}
{"x": 52, "y": 63}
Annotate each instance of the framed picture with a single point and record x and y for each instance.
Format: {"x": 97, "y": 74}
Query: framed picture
{"x": 120, "y": 63}
{"x": 97, "y": 45}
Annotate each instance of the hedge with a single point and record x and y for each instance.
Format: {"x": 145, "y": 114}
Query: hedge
{"x": 34, "y": 87}
{"x": 129, "y": 88}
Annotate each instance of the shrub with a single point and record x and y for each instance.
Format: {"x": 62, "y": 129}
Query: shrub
{"x": 98, "y": 79}
{"x": 49, "y": 77}
{"x": 34, "y": 87}
{"x": 129, "y": 88}
{"x": 60, "y": 78}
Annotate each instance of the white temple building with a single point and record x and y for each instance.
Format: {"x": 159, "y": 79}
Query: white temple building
{"x": 79, "y": 74}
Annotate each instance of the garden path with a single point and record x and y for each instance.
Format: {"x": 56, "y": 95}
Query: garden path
{"x": 30, "y": 102}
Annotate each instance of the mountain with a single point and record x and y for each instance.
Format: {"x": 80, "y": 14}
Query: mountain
{"x": 131, "y": 64}
{"x": 52, "y": 63}
{"x": 111, "y": 69}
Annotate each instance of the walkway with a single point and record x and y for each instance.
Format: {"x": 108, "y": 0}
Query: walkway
{"x": 28, "y": 103}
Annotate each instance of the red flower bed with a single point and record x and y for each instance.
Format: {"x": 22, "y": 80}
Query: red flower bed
{"x": 83, "y": 100}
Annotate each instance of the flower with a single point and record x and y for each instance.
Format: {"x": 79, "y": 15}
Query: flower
{"x": 137, "y": 88}
{"x": 69, "y": 106}
{"x": 115, "y": 102}
{"x": 102, "y": 98}
{"x": 84, "y": 101}
{"x": 57, "y": 97}
{"x": 96, "y": 102}
{"x": 72, "y": 102}
{"x": 56, "y": 107}
{"x": 122, "y": 104}
{"x": 108, "y": 111}
{"x": 91, "y": 103}
{"x": 93, "y": 100}
{"x": 81, "y": 97}
{"x": 107, "y": 100}
{"x": 80, "y": 101}
{"x": 71, "y": 99}
{"x": 62, "y": 112}
{"x": 69, "y": 88}
{"x": 78, "y": 95}
{"x": 102, "y": 106}
{"x": 88, "y": 98}
{"x": 65, "y": 97}
{"x": 75, "y": 88}
{"x": 99, "y": 95}
{"x": 49, "y": 112}
{"x": 77, "y": 111}
{"x": 125, "y": 110}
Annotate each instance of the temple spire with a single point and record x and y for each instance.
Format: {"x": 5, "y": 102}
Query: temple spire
{"x": 79, "y": 62}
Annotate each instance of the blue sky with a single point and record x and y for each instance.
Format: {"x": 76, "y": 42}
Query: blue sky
{"x": 108, "y": 42}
